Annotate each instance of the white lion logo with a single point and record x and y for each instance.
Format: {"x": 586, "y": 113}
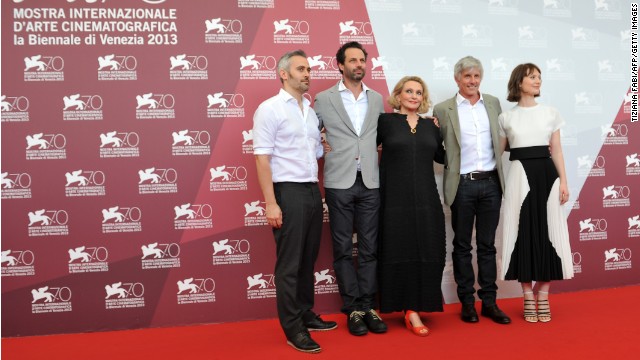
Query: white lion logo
{"x": 246, "y": 61}
{"x": 221, "y": 245}
{"x": 79, "y": 253}
{"x": 110, "y": 138}
{"x": 254, "y": 208}
{"x": 611, "y": 254}
{"x": 217, "y": 99}
{"x": 283, "y": 25}
{"x": 182, "y": 136}
{"x": 219, "y": 172}
{"x": 112, "y": 213}
{"x": 247, "y": 136}
{"x": 184, "y": 285}
{"x": 257, "y": 280}
{"x": 42, "y": 293}
{"x": 587, "y": 225}
{"x": 107, "y": 61}
{"x": 633, "y": 160}
{"x": 34, "y": 62}
{"x": 151, "y": 249}
{"x": 73, "y": 100}
{"x": 214, "y": 24}
{"x": 179, "y": 60}
{"x": 148, "y": 174}
{"x": 115, "y": 289}
{"x": 183, "y": 210}
{"x": 324, "y": 276}
{"x": 347, "y": 26}
{"x": 76, "y": 177}
{"x": 9, "y": 259}
{"x": 38, "y": 216}
{"x": 608, "y": 191}
{"x": 146, "y": 100}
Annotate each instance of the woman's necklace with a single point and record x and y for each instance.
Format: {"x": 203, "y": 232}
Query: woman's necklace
{"x": 412, "y": 128}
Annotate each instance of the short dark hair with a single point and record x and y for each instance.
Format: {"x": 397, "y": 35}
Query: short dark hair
{"x": 517, "y": 75}
{"x": 340, "y": 55}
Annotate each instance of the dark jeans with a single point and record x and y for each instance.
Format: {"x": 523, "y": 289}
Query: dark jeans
{"x": 357, "y": 206}
{"x": 479, "y": 201}
{"x": 297, "y": 245}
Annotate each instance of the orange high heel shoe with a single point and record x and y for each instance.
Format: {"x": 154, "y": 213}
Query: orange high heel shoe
{"x": 418, "y": 330}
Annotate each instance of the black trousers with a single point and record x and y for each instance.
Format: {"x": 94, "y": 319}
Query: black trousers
{"x": 297, "y": 244}
{"x": 357, "y": 206}
{"x": 479, "y": 201}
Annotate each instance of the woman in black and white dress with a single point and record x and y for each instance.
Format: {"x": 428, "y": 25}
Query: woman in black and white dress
{"x": 536, "y": 239}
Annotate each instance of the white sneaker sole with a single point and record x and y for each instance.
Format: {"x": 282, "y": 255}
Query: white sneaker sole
{"x": 314, "y": 351}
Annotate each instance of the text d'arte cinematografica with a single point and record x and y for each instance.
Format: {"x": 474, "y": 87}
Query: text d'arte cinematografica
{"x": 153, "y": 22}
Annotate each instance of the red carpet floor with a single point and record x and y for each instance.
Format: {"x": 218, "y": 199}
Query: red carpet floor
{"x": 601, "y": 324}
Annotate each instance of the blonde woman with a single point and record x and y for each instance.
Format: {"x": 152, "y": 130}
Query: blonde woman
{"x": 411, "y": 254}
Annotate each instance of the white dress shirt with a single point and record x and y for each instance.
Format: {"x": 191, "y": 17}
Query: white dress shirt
{"x": 356, "y": 108}
{"x": 476, "y": 148}
{"x": 290, "y": 136}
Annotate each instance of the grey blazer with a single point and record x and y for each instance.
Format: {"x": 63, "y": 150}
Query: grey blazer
{"x": 340, "y": 162}
{"x": 447, "y": 114}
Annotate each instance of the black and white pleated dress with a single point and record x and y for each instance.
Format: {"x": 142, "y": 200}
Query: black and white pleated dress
{"x": 535, "y": 244}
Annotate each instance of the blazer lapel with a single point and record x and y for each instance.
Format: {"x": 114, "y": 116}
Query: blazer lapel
{"x": 455, "y": 121}
{"x": 493, "y": 121}
{"x": 371, "y": 115}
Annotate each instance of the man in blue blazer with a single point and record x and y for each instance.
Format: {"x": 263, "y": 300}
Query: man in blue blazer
{"x": 349, "y": 112}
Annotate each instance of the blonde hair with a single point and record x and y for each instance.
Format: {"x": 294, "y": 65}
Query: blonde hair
{"x": 424, "y": 105}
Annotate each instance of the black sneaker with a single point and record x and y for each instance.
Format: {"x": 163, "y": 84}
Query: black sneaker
{"x": 356, "y": 324}
{"x": 374, "y": 322}
{"x": 317, "y": 324}
{"x": 303, "y": 342}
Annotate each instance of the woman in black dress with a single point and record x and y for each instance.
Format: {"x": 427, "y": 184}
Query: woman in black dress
{"x": 411, "y": 256}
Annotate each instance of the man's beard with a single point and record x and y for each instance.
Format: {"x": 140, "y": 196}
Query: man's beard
{"x": 353, "y": 76}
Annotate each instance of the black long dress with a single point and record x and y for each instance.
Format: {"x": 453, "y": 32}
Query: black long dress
{"x": 411, "y": 255}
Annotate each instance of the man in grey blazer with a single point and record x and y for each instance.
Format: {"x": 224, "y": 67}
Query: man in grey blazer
{"x": 473, "y": 186}
{"x": 349, "y": 113}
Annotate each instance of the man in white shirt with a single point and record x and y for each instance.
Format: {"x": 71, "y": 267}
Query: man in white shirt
{"x": 349, "y": 113}
{"x": 286, "y": 144}
{"x": 473, "y": 186}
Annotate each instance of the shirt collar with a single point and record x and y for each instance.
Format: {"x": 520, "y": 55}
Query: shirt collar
{"x": 342, "y": 87}
{"x": 288, "y": 97}
{"x": 460, "y": 99}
